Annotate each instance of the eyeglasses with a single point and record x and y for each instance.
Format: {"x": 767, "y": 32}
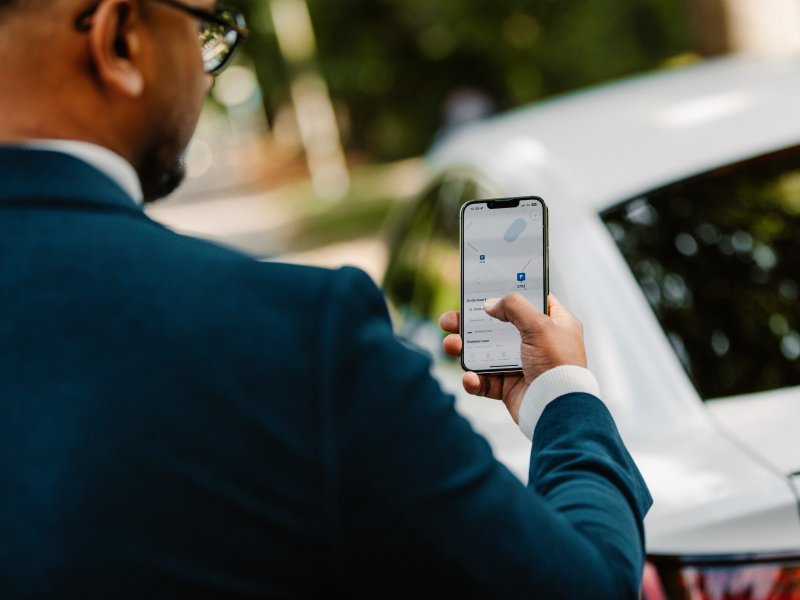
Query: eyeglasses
{"x": 221, "y": 31}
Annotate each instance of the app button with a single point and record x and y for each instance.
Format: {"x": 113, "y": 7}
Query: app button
{"x": 483, "y": 257}
{"x": 520, "y": 276}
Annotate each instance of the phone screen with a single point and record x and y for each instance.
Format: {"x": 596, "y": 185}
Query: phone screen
{"x": 503, "y": 250}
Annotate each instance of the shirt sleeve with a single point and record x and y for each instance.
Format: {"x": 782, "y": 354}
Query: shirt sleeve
{"x": 549, "y": 386}
{"x": 422, "y": 506}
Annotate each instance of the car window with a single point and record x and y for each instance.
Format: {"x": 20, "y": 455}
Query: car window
{"x": 423, "y": 276}
{"x": 718, "y": 258}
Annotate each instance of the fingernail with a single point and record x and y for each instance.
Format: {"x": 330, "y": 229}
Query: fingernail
{"x": 490, "y": 303}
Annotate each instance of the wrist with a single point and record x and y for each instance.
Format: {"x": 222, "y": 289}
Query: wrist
{"x": 552, "y": 384}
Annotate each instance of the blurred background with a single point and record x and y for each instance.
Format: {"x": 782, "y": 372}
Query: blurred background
{"x": 312, "y": 139}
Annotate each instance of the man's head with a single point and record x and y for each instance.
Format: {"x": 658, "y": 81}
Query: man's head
{"x": 126, "y": 74}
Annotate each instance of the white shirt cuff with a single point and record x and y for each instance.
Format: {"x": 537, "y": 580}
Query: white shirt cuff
{"x": 566, "y": 379}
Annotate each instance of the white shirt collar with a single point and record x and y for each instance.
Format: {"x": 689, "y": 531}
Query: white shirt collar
{"x": 104, "y": 160}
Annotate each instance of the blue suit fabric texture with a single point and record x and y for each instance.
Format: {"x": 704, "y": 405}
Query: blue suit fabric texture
{"x": 179, "y": 420}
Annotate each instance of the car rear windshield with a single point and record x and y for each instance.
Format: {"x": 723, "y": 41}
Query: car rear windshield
{"x": 718, "y": 258}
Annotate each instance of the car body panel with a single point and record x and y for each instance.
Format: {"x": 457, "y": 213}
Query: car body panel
{"x": 662, "y": 128}
{"x": 713, "y": 497}
{"x": 719, "y": 471}
{"x": 774, "y": 435}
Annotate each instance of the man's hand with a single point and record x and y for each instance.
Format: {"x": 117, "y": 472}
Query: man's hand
{"x": 547, "y": 342}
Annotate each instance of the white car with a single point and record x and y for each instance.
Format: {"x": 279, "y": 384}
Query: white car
{"x": 674, "y": 205}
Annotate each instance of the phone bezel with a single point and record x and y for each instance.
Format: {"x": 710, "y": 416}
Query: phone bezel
{"x": 512, "y": 201}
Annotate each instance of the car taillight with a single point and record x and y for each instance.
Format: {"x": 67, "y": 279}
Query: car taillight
{"x": 774, "y": 577}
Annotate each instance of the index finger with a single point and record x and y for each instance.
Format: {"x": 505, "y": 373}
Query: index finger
{"x": 450, "y": 321}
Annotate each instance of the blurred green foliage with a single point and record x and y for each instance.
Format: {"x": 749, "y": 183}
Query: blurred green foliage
{"x": 391, "y": 65}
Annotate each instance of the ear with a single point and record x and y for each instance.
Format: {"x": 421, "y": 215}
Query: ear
{"x": 115, "y": 46}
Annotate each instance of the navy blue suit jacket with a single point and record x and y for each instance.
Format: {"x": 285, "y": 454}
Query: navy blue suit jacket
{"x": 179, "y": 420}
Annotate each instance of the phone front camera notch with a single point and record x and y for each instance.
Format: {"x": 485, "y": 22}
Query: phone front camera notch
{"x": 502, "y": 204}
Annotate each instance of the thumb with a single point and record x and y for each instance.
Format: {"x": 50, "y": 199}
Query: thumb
{"x": 515, "y": 309}
{"x": 559, "y": 313}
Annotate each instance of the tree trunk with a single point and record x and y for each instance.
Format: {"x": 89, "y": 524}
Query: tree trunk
{"x": 753, "y": 27}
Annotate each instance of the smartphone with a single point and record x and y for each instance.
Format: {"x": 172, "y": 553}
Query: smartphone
{"x": 504, "y": 249}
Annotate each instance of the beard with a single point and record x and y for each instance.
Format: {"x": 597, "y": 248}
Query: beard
{"x": 161, "y": 170}
{"x": 162, "y": 162}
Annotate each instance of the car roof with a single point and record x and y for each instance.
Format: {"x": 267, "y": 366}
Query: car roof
{"x": 613, "y": 142}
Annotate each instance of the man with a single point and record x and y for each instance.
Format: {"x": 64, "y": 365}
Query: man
{"x": 179, "y": 420}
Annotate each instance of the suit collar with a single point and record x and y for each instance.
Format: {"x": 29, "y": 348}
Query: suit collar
{"x": 103, "y": 159}
{"x": 32, "y": 176}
